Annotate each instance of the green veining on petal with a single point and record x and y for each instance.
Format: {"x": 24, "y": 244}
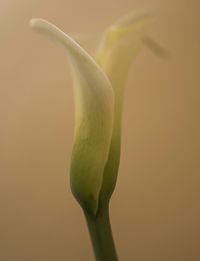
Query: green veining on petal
{"x": 94, "y": 104}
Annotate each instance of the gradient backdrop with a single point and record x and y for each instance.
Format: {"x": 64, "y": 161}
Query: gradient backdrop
{"x": 155, "y": 210}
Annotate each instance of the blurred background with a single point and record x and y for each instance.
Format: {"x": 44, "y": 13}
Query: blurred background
{"x": 155, "y": 210}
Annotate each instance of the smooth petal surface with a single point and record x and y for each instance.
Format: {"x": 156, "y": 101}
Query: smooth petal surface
{"x": 94, "y": 119}
{"x": 120, "y": 44}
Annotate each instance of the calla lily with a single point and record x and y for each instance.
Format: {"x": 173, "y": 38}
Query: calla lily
{"x": 99, "y": 83}
{"x": 94, "y": 102}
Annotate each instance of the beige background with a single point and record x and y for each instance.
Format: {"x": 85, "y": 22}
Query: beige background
{"x": 155, "y": 210}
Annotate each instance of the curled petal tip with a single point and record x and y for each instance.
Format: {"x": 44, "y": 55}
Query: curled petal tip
{"x": 134, "y": 17}
{"x": 32, "y": 22}
{"x": 36, "y": 23}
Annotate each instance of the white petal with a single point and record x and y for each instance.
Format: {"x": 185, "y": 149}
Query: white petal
{"x": 94, "y": 118}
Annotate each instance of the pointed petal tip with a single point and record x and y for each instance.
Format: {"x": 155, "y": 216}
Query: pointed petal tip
{"x": 34, "y": 22}
{"x": 132, "y": 19}
{"x": 43, "y": 25}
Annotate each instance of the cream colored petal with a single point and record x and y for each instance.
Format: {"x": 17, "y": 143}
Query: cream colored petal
{"x": 94, "y": 104}
{"x": 120, "y": 44}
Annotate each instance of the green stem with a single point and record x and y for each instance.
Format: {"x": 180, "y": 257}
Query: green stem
{"x": 101, "y": 235}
